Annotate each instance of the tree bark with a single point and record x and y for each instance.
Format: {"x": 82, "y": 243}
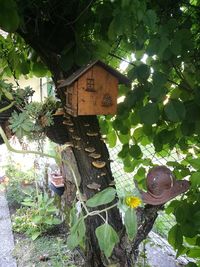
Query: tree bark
{"x": 83, "y": 127}
{"x": 78, "y": 131}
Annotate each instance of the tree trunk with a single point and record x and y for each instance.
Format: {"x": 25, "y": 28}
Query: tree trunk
{"x": 86, "y": 135}
{"x": 83, "y": 133}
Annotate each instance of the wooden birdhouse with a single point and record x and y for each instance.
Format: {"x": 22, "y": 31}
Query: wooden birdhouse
{"x": 93, "y": 90}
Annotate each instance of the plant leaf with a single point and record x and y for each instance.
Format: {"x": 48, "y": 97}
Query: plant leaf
{"x": 104, "y": 197}
{"x": 175, "y": 110}
{"x": 107, "y": 238}
{"x": 35, "y": 235}
{"x": 130, "y": 221}
{"x": 149, "y": 114}
{"x": 9, "y": 18}
{"x": 77, "y": 233}
{"x": 175, "y": 237}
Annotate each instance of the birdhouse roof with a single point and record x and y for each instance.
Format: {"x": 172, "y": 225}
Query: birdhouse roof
{"x": 121, "y": 78}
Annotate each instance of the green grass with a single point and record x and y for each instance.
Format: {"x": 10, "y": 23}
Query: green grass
{"x": 45, "y": 251}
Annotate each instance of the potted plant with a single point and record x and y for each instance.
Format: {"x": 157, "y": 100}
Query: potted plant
{"x": 57, "y": 183}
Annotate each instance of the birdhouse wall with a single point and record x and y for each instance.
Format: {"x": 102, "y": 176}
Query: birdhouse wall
{"x": 97, "y": 92}
{"x": 71, "y": 99}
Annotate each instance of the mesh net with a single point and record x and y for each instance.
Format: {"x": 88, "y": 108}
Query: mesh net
{"x": 157, "y": 242}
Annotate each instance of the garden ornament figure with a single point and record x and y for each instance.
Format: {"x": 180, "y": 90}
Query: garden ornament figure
{"x": 162, "y": 186}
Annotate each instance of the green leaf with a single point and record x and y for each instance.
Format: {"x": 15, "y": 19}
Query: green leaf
{"x": 111, "y": 30}
{"x": 162, "y": 45}
{"x": 191, "y": 264}
{"x": 77, "y": 233}
{"x": 72, "y": 241}
{"x": 104, "y": 126}
{"x": 142, "y": 72}
{"x": 128, "y": 165}
{"x": 35, "y": 235}
{"x": 195, "y": 163}
{"x": 111, "y": 139}
{"x": 150, "y": 18}
{"x": 135, "y": 151}
{"x": 104, "y": 197}
{"x": 157, "y": 92}
{"x": 39, "y": 69}
{"x": 175, "y": 110}
{"x": 56, "y": 221}
{"x": 130, "y": 221}
{"x": 52, "y": 209}
{"x": 149, "y": 114}
{"x": 37, "y": 219}
{"x": 188, "y": 229}
{"x": 176, "y": 47}
{"x": 24, "y": 68}
{"x": 29, "y": 204}
{"x": 159, "y": 78}
{"x": 107, "y": 238}
{"x": 195, "y": 179}
{"x": 9, "y": 18}
{"x": 152, "y": 48}
{"x": 125, "y": 150}
{"x": 194, "y": 253}
{"x": 175, "y": 237}
{"x": 124, "y": 138}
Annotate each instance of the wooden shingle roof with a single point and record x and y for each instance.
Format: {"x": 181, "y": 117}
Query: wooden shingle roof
{"x": 121, "y": 78}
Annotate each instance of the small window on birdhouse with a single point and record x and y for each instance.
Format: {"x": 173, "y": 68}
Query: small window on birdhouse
{"x": 90, "y": 85}
{"x": 69, "y": 100}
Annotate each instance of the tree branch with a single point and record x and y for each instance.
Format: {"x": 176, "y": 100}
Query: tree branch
{"x": 82, "y": 12}
{"x": 147, "y": 217}
{"x": 122, "y": 59}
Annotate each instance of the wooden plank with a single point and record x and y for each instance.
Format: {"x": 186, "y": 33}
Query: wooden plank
{"x": 91, "y": 103}
{"x": 71, "y": 99}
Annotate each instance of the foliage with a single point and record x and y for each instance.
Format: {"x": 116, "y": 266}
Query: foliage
{"x": 9, "y": 93}
{"x": 34, "y": 118}
{"x": 38, "y": 218}
{"x": 160, "y": 40}
{"x": 17, "y": 178}
{"x": 106, "y": 235}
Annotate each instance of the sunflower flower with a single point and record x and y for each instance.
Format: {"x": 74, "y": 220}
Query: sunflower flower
{"x": 133, "y": 201}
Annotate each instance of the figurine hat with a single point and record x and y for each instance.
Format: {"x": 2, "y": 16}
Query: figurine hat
{"x": 162, "y": 186}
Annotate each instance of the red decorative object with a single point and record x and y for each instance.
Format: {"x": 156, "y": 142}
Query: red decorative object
{"x": 57, "y": 180}
{"x": 162, "y": 186}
